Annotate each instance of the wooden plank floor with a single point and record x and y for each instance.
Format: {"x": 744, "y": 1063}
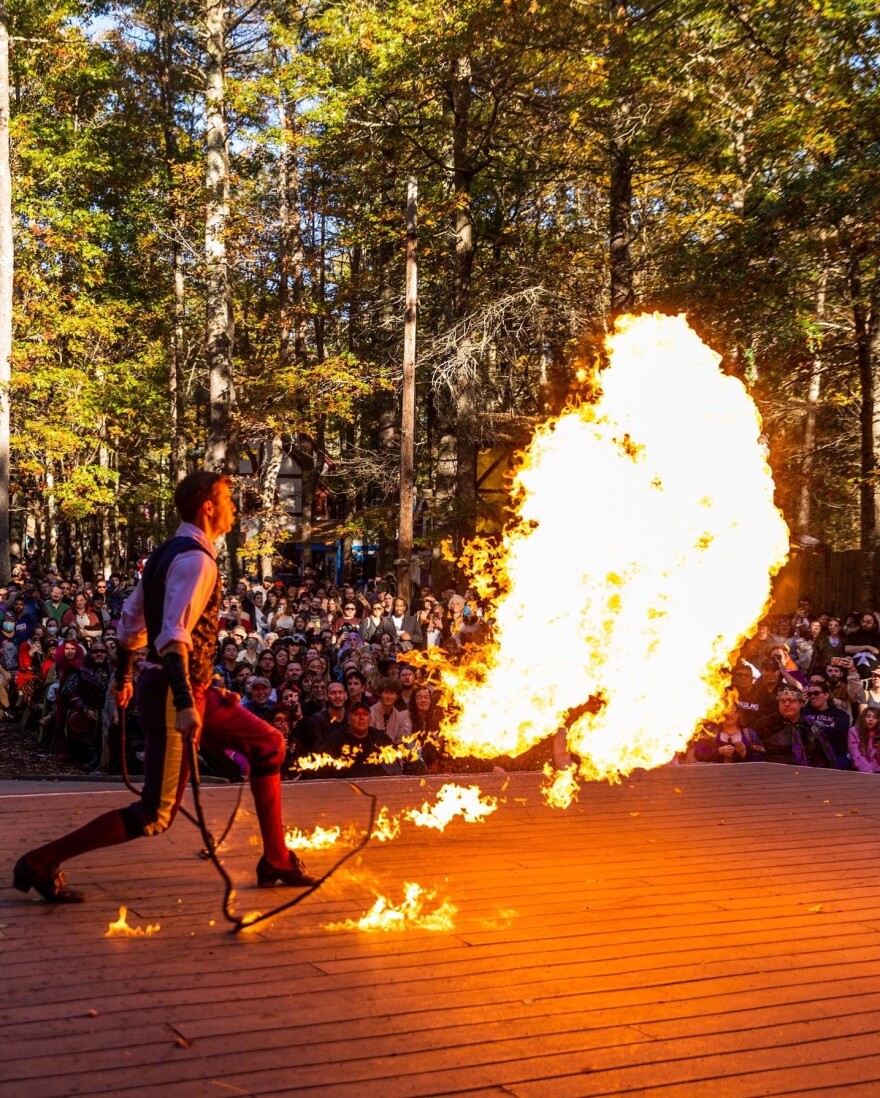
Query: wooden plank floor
{"x": 692, "y": 931}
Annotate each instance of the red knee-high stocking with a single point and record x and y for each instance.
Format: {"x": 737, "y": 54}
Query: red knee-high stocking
{"x": 266, "y": 789}
{"x": 117, "y": 826}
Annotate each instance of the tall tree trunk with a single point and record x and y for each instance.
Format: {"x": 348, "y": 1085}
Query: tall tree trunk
{"x": 51, "y": 517}
{"x": 165, "y": 36}
{"x": 465, "y": 247}
{"x": 6, "y": 273}
{"x": 273, "y": 453}
{"x": 805, "y": 497}
{"x": 106, "y": 548}
{"x": 291, "y": 294}
{"x": 408, "y": 399}
{"x": 866, "y": 325}
{"x": 222, "y": 450}
{"x": 620, "y": 191}
{"x": 219, "y": 332}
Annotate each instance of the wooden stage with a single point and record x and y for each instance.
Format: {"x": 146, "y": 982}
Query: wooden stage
{"x": 705, "y": 930}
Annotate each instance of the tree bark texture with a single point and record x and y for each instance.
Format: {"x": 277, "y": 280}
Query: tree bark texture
{"x": 814, "y": 389}
{"x": 620, "y": 192}
{"x": 866, "y": 325}
{"x": 291, "y": 251}
{"x": 219, "y": 332}
{"x": 408, "y": 398}
{"x": 165, "y": 33}
{"x": 465, "y": 247}
{"x": 6, "y": 274}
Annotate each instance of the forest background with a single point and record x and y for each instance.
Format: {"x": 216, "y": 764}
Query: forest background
{"x": 208, "y": 212}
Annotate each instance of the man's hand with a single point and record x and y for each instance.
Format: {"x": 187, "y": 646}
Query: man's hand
{"x": 189, "y": 725}
{"x": 123, "y": 694}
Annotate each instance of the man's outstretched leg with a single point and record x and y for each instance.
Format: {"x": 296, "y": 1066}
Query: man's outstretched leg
{"x": 166, "y": 770}
{"x": 39, "y": 868}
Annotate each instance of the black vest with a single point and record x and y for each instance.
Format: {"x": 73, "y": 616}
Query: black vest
{"x": 204, "y": 632}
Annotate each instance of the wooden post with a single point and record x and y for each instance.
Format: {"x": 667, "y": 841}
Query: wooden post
{"x": 408, "y": 402}
{"x": 6, "y": 271}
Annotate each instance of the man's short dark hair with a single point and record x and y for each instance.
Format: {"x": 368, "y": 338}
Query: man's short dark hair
{"x": 391, "y": 685}
{"x": 194, "y": 490}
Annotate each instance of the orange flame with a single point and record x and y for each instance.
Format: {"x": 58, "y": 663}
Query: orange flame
{"x": 322, "y": 838}
{"x": 410, "y": 914}
{"x": 121, "y": 929}
{"x": 641, "y": 556}
{"x": 386, "y": 827}
{"x": 453, "y": 801}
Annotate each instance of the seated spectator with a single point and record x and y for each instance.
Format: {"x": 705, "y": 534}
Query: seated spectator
{"x": 425, "y": 718}
{"x": 260, "y": 701}
{"x": 392, "y": 721}
{"x": 314, "y": 696}
{"x": 226, "y": 668}
{"x": 741, "y": 682}
{"x": 730, "y": 742}
{"x": 8, "y": 666}
{"x": 267, "y": 667}
{"x": 791, "y": 740}
{"x": 326, "y": 721}
{"x": 829, "y": 720}
{"x": 360, "y": 742}
{"x": 864, "y": 741}
{"x": 766, "y": 691}
{"x": 406, "y": 676}
{"x": 870, "y": 696}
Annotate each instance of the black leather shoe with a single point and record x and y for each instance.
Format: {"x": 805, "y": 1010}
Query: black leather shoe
{"x": 294, "y": 875}
{"x": 52, "y": 886}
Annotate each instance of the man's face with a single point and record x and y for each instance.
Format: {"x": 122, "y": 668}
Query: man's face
{"x": 789, "y": 708}
{"x": 241, "y": 589}
{"x": 834, "y": 673}
{"x": 742, "y": 679}
{"x": 389, "y": 697}
{"x": 101, "y": 586}
{"x": 18, "y": 607}
{"x": 319, "y": 691}
{"x": 230, "y": 651}
{"x": 399, "y": 608}
{"x": 355, "y": 689}
{"x": 65, "y": 587}
{"x": 407, "y": 677}
{"x": 817, "y": 696}
{"x": 293, "y": 671}
{"x": 56, "y": 593}
{"x": 219, "y": 510}
{"x": 260, "y": 693}
{"x": 359, "y": 722}
{"x": 242, "y": 674}
{"x": 336, "y": 695}
{"x": 45, "y": 588}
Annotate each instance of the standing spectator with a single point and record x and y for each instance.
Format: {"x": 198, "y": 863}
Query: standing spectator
{"x": 863, "y": 644}
{"x": 83, "y": 617}
{"x": 403, "y": 628}
{"x": 371, "y": 628}
{"x": 56, "y": 606}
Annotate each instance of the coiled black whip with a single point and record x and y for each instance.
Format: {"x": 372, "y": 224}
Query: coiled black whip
{"x": 211, "y": 845}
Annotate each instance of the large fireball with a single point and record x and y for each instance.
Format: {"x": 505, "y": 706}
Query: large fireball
{"x": 646, "y": 540}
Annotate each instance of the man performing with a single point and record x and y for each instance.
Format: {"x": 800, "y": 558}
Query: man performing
{"x": 174, "y": 610}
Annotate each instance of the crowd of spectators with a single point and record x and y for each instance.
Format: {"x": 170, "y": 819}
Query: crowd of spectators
{"x": 332, "y": 667}
{"x": 806, "y": 692}
{"x": 338, "y": 670}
